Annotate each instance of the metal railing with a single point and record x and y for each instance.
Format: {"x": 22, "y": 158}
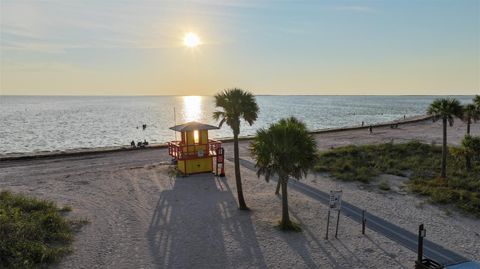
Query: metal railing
{"x": 181, "y": 151}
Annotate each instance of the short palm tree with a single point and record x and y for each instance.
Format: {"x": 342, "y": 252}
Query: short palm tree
{"x": 468, "y": 150}
{"x": 476, "y": 100}
{"x": 470, "y": 113}
{"x": 236, "y": 104}
{"x": 286, "y": 149}
{"x": 446, "y": 110}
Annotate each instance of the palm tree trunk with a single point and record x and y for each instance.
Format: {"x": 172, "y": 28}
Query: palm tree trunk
{"x": 444, "y": 149}
{"x": 277, "y": 191}
{"x": 468, "y": 162}
{"x": 467, "y": 157}
{"x": 241, "y": 200}
{"x": 285, "y": 216}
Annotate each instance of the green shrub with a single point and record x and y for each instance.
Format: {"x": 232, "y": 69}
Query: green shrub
{"x": 384, "y": 186}
{"x": 33, "y": 232}
{"x": 421, "y": 162}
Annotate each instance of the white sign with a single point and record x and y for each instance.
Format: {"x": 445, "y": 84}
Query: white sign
{"x": 336, "y": 199}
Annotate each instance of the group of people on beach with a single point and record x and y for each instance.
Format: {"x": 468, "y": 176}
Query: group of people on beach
{"x": 393, "y": 126}
{"x": 139, "y": 144}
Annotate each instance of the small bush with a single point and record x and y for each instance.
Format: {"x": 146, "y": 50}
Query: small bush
{"x": 33, "y": 232}
{"x": 384, "y": 186}
{"x": 292, "y": 226}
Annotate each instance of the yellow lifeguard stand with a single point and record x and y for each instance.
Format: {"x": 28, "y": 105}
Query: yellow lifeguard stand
{"x": 195, "y": 153}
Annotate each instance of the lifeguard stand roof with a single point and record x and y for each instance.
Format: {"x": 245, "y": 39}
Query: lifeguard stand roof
{"x": 193, "y": 125}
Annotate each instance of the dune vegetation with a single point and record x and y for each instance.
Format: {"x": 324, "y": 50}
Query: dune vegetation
{"x": 420, "y": 162}
{"x": 33, "y": 233}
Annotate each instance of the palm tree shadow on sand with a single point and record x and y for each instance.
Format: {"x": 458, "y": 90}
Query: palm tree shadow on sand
{"x": 197, "y": 224}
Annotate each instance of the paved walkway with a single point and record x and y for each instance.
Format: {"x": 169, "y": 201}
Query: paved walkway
{"x": 403, "y": 237}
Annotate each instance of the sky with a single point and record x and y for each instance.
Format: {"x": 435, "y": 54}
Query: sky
{"x": 120, "y": 47}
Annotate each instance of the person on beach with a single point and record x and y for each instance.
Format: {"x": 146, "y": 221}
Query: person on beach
{"x": 370, "y": 128}
{"x": 132, "y": 144}
{"x": 363, "y": 123}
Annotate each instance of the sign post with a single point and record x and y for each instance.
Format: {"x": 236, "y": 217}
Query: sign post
{"x": 328, "y": 223}
{"x": 338, "y": 220}
{"x": 335, "y": 204}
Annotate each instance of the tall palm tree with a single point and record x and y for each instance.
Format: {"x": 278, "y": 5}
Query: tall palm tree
{"x": 285, "y": 149}
{"x": 470, "y": 113}
{"x": 236, "y": 104}
{"x": 446, "y": 110}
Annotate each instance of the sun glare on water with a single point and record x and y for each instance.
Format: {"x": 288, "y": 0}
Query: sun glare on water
{"x": 191, "y": 40}
{"x": 192, "y": 107}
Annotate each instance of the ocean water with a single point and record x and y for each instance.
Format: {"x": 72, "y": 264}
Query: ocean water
{"x": 49, "y": 123}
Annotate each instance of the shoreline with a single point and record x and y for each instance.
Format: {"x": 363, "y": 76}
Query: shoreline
{"x": 142, "y": 216}
{"x": 112, "y": 149}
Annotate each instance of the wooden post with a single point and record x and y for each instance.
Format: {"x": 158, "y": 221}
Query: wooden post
{"x": 338, "y": 220}
{"x": 420, "y": 243}
{"x": 364, "y": 221}
{"x": 328, "y": 224}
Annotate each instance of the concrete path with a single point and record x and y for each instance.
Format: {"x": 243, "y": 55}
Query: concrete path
{"x": 403, "y": 237}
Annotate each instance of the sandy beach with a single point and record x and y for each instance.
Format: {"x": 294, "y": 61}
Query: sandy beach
{"x": 142, "y": 218}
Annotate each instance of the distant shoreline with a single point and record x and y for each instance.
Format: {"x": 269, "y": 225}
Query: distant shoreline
{"x": 168, "y": 95}
{"x": 91, "y": 151}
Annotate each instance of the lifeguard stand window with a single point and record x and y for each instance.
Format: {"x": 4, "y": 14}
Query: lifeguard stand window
{"x": 195, "y": 137}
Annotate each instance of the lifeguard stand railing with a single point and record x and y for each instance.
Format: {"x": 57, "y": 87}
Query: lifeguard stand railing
{"x": 180, "y": 151}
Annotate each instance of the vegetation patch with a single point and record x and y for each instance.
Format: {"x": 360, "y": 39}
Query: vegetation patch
{"x": 33, "y": 233}
{"x": 290, "y": 226}
{"x": 418, "y": 161}
{"x": 384, "y": 186}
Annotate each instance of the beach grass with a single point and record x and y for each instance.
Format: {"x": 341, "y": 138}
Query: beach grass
{"x": 290, "y": 226}
{"x": 33, "y": 232}
{"x": 419, "y": 162}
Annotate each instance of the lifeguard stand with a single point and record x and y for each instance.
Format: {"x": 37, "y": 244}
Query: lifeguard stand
{"x": 195, "y": 153}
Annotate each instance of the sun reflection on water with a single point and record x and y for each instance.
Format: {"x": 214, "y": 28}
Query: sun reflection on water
{"x": 192, "y": 107}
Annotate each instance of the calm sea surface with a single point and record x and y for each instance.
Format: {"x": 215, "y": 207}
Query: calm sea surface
{"x": 34, "y": 123}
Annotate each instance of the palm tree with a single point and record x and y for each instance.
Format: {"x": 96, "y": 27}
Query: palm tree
{"x": 470, "y": 113}
{"x": 285, "y": 149}
{"x": 476, "y": 100}
{"x": 467, "y": 146}
{"x": 236, "y": 104}
{"x": 446, "y": 110}
{"x": 469, "y": 149}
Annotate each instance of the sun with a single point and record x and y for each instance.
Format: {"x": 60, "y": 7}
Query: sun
{"x": 191, "y": 40}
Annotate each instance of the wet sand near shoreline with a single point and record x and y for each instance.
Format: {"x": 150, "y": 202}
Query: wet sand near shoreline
{"x": 141, "y": 218}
